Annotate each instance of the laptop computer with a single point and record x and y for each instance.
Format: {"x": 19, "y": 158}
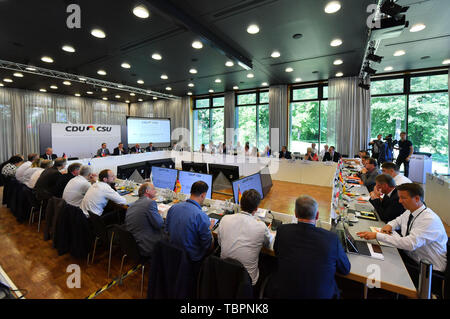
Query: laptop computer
{"x": 358, "y": 247}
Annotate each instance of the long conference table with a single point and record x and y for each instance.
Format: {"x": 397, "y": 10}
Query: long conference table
{"x": 388, "y": 274}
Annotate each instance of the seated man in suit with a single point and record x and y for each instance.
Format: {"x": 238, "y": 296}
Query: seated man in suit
{"x": 103, "y": 151}
{"x": 136, "y": 149}
{"x": 49, "y": 154}
{"x": 150, "y": 147}
{"x": 143, "y": 220}
{"x": 387, "y": 206}
{"x": 120, "y": 150}
{"x": 78, "y": 186}
{"x": 45, "y": 185}
{"x": 369, "y": 173}
{"x": 308, "y": 257}
{"x": 285, "y": 153}
{"x": 392, "y": 170}
{"x": 72, "y": 171}
{"x": 422, "y": 237}
{"x": 331, "y": 155}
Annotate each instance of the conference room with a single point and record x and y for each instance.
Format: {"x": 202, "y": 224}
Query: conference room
{"x": 217, "y": 150}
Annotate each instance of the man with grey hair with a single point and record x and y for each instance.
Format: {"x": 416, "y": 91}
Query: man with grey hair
{"x": 308, "y": 257}
{"x": 45, "y": 185}
{"x": 143, "y": 220}
{"x": 77, "y": 187}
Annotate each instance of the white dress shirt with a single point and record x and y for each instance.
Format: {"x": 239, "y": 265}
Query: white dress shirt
{"x": 28, "y": 173}
{"x": 21, "y": 170}
{"x": 33, "y": 179}
{"x": 427, "y": 238}
{"x": 241, "y": 237}
{"x": 75, "y": 190}
{"x": 97, "y": 197}
{"x": 401, "y": 179}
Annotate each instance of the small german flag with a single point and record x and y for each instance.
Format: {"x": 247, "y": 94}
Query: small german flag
{"x": 177, "y": 188}
{"x": 239, "y": 195}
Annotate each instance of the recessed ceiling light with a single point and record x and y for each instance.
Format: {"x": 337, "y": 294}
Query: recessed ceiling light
{"x": 68, "y": 48}
{"x": 333, "y": 7}
{"x": 168, "y": 88}
{"x": 8, "y": 80}
{"x": 141, "y": 11}
{"x": 117, "y": 96}
{"x": 211, "y": 91}
{"x": 101, "y": 72}
{"x": 264, "y": 84}
{"x": 140, "y": 100}
{"x": 132, "y": 94}
{"x": 77, "y": 94}
{"x": 104, "y": 89}
{"x": 82, "y": 79}
{"x": 229, "y": 63}
{"x": 189, "y": 93}
{"x": 127, "y": 101}
{"x": 54, "y": 87}
{"x": 336, "y": 42}
{"x": 18, "y": 75}
{"x": 253, "y": 29}
{"x": 43, "y": 90}
{"x": 125, "y": 65}
{"x": 250, "y": 75}
{"x": 235, "y": 87}
{"x": 98, "y": 33}
{"x": 140, "y": 81}
{"x": 1, "y": 84}
{"x": 155, "y": 98}
{"x": 47, "y": 59}
{"x": 218, "y": 80}
{"x": 67, "y": 83}
{"x": 164, "y": 77}
{"x": 339, "y": 74}
{"x": 193, "y": 71}
{"x": 156, "y": 56}
{"x": 446, "y": 61}
{"x": 417, "y": 27}
{"x": 275, "y": 54}
{"x": 298, "y": 79}
{"x": 105, "y": 98}
{"x": 90, "y": 92}
{"x": 289, "y": 69}
{"x": 338, "y": 62}
{"x": 197, "y": 45}
{"x": 388, "y": 68}
{"x": 399, "y": 53}
{"x": 191, "y": 85}
{"x": 120, "y": 86}
{"x": 31, "y": 68}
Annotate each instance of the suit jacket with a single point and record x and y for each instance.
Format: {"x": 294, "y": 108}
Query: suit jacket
{"x": 45, "y": 185}
{"x": 99, "y": 152}
{"x": 134, "y": 150}
{"x": 61, "y": 183}
{"x": 116, "y": 151}
{"x": 308, "y": 258}
{"x": 286, "y": 155}
{"x": 389, "y": 208}
{"x": 150, "y": 149}
{"x": 54, "y": 156}
{"x": 327, "y": 157}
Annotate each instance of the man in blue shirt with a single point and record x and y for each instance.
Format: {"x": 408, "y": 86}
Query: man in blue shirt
{"x": 188, "y": 226}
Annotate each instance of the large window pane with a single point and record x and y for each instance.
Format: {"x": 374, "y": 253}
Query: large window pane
{"x": 263, "y": 121}
{"x": 304, "y": 125}
{"x": 243, "y": 99}
{"x": 429, "y": 83}
{"x": 305, "y": 94}
{"x": 386, "y": 86}
{"x": 202, "y": 103}
{"x": 388, "y": 116}
{"x": 264, "y": 97}
{"x": 323, "y": 122}
{"x": 201, "y": 128}
{"x": 247, "y": 125}
{"x": 325, "y": 92}
{"x": 217, "y": 126}
{"x": 428, "y": 127}
{"x": 219, "y": 101}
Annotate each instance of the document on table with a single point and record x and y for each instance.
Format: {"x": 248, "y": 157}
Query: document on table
{"x": 378, "y": 230}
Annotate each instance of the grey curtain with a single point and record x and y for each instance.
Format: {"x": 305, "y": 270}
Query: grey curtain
{"x": 348, "y": 122}
{"x": 278, "y": 116}
{"x": 22, "y": 111}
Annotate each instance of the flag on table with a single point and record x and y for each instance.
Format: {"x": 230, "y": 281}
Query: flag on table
{"x": 177, "y": 188}
{"x": 239, "y": 195}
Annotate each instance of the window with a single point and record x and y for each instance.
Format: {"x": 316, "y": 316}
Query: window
{"x": 252, "y": 119}
{"x": 308, "y": 117}
{"x": 208, "y": 121}
{"x": 419, "y": 105}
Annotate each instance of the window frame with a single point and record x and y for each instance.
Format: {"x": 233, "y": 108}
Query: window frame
{"x": 210, "y": 108}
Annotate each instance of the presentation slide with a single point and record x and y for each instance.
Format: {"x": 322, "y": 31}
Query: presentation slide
{"x": 249, "y": 182}
{"x": 164, "y": 177}
{"x": 188, "y": 178}
{"x": 146, "y": 130}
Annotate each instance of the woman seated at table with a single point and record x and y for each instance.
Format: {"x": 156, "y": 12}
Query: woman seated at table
{"x": 310, "y": 156}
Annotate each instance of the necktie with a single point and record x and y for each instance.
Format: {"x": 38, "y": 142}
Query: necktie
{"x": 410, "y": 218}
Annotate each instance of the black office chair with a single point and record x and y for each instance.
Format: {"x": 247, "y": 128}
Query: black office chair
{"x": 103, "y": 233}
{"x": 129, "y": 249}
{"x": 35, "y": 205}
{"x": 441, "y": 280}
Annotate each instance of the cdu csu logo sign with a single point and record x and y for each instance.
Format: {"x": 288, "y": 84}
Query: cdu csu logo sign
{"x": 82, "y": 128}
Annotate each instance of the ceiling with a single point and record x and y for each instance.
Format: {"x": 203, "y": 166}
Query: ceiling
{"x": 31, "y": 29}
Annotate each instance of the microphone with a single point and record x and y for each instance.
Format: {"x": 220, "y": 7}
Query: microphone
{"x": 275, "y": 222}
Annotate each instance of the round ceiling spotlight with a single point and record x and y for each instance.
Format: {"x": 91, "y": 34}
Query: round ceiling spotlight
{"x": 104, "y": 90}
{"x": 235, "y": 87}
{"x": 156, "y": 56}
{"x": 125, "y": 65}
{"x": 132, "y": 94}
{"x": 191, "y": 85}
{"x": 253, "y": 29}
{"x": 446, "y": 61}
{"x": 211, "y": 91}
{"x": 68, "y": 48}
{"x": 140, "y": 81}
{"x": 77, "y": 94}
{"x": 289, "y": 69}
{"x": 399, "y": 53}
{"x": 90, "y": 92}
{"x": 193, "y": 71}
{"x": 336, "y": 42}
{"x": 417, "y": 27}
{"x": 338, "y": 62}
{"x": 98, "y": 33}
{"x": 332, "y": 7}
{"x": 164, "y": 76}
{"x": 168, "y": 88}
{"x": 8, "y": 80}
{"x": 197, "y": 45}
{"x": 189, "y": 93}
{"x": 339, "y": 74}
{"x": 67, "y": 83}
{"x": 388, "y": 68}
{"x": 250, "y": 75}
{"x": 47, "y": 59}
{"x": 18, "y": 75}
{"x": 101, "y": 72}
{"x": 43, "y": 90}
{"x": 275, "y": 54}
{"x": 218, "y": 81}
{"x": 141, "y": 11}
{"x": 298, "y": 79}
{"x": 229, "y": 63}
